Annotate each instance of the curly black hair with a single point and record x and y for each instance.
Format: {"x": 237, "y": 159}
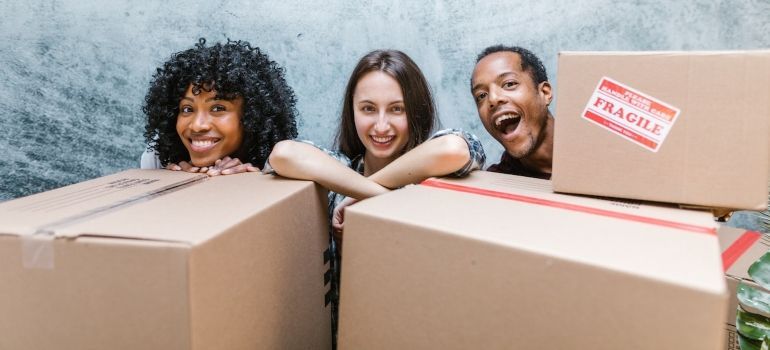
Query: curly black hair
{"x": 529, "y": 61}
{"x": 232, "y": 69}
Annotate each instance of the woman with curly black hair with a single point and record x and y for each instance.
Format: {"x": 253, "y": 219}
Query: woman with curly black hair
{"x": 217, "y": 109}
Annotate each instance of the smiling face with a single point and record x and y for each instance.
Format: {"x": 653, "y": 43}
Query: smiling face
{"x": 513, "y": 109}
{"x": 210, "y": 128}
{"x": 380, "y": 118}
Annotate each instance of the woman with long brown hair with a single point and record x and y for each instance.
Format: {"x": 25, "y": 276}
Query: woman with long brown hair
{"x": 383, "y": 142}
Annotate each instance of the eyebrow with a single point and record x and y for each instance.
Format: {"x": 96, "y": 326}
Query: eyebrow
{"x": 207, "y": 100}
{"x": 372, "y": 102}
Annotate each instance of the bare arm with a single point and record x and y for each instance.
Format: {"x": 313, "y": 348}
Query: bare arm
{"x": 298, "y": 160}
{"x": 436, "y": 157}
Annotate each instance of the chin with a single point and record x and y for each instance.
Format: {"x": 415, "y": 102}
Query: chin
{"x": 520, "y": 151}
{"x": 202, "y": 162}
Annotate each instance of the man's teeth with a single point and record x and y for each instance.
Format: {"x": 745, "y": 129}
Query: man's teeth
{"x": 382, "y": 139}
{"x": 202, "y": 143}
{"x": 503, "y": 117}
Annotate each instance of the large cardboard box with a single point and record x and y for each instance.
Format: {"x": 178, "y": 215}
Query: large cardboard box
{"x": 679, "y": 127}
{"x": 155, "y": 259}
{"x": 740, "y": 249}
{"x": 496, "y": 261}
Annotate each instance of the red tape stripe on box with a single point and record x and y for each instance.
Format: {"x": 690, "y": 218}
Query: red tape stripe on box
{"x": 568, "y": 206}
{"x": 740, "y": 246}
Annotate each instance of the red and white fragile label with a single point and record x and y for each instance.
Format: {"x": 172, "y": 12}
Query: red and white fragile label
{"x": 631, "y": 114}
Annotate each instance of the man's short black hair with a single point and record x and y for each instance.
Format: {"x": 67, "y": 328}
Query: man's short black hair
{"x": 529, "y": 61}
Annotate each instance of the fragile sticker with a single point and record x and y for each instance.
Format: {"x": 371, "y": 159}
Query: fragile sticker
{"x": 633, "y": 115}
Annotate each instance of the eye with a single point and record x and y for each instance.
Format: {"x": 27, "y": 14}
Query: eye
{"x": 185, "y": 109}
{"x": 218, "y": 108}
{"x": 368, "y": 109}
{"x": 510, "y": 84}
{"x": 397, "y": 109}
{"x": 480, "y": 96}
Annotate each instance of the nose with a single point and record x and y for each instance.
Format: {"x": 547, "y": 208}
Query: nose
{"x": 495, "y": 97}
{"x": 383, "y": 123}
{"x": 201, "y": 122}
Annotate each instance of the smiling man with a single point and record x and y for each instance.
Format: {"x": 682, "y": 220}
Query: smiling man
{"x": 512, "y": 95}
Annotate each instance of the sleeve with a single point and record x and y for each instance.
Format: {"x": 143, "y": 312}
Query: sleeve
{"x": 149, "y": 160}
{"x": 477, "y": 155}
{"x": 267, "y": 169}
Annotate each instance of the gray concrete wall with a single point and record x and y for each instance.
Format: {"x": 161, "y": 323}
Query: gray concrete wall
{"x": 73, "y": 73}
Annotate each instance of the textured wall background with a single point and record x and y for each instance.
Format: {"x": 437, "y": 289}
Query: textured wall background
{"x": 74, "y": 72}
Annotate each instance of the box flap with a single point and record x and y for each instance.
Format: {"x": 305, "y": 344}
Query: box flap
{"x": 668, "y": 244}
{"x": 193, "y": 215}
{"x": 159, "y": 205}
{"x": 49, "y": 211}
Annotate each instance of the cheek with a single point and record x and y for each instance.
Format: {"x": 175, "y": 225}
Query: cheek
{"x": 234, "y": 131}
{"x": 402, "y": 127}
{"x": 362, "y": 126}
{"x": 181, "y": 125}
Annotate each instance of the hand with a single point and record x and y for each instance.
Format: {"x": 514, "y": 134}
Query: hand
{"x": 338, "y": 217}
{"x": 228, "y": 166}
{"x": 185, "y": 166}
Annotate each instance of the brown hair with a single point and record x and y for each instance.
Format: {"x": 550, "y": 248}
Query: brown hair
{"x": 418, "y": 101}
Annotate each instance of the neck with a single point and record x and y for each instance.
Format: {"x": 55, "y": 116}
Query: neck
{"x": 541, "y": 159}
{"x": 373, "y": 164}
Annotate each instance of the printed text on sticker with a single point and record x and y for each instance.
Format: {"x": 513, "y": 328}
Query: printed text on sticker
{"x": 631, "y": 114}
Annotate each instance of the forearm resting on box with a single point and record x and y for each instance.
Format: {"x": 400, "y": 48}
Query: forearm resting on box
{"x": 435, "y": 157}
{"x": 299, "y": 160}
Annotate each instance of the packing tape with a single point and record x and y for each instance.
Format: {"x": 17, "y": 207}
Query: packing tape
{"x": 737, "y": 248}
{"x": 570, "y": 206}
{"x": 37, "y": 250}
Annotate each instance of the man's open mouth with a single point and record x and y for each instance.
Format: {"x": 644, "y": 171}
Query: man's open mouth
{"x": 507, "y": 123}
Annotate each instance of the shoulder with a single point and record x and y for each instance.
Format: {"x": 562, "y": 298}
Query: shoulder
{"x": 476, "y": 150}
{"x": 150, "y": 160}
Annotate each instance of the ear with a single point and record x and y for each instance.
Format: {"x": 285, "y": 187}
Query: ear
{"x": 545, "y": 92}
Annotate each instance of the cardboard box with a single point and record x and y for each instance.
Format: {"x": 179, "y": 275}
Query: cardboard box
{"x": 156, "y": 259}
{"x": 740, "y": 249}
{"x": 495, "y": 261}
{"x": 679, "y": 127}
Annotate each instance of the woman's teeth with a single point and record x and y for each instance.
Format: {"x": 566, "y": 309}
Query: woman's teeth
{"x": 383, "y": 139}
{"x": 202, "y": 143}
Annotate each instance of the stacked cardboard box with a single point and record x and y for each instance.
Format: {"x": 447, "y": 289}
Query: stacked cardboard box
{"x": 165, "y": 260}
{"x": 679, "y": 127}
{"x": 496, "y": 261}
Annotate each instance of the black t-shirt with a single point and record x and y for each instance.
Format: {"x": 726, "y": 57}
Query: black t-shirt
{"x": 513, "y": 166}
